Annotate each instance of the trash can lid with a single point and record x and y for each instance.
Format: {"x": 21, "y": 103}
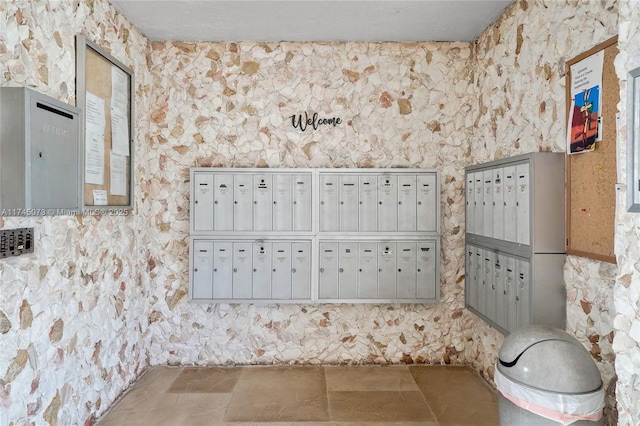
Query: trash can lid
{"x": 550, "y": 359}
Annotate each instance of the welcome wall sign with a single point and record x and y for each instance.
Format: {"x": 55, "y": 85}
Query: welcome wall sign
{"x": 298, "y": 122}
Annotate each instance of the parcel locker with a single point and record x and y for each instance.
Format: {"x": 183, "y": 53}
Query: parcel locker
{"x": 282, "y": 202}
{"x": 426, "y": 203}
{"x": 302, "y": 208}
{"x": 347, "y": 270}
{"x": 522, "y": 203}
{"x": 300, "y": 270}
{"x": 203, "y": 213}
{"x": 328, "y": 209}
{"x": 242, "y": 202}
{"x": 242, "y": 270}
{"x": 367, "y": 270}
{"x": 477, "y": 203}
{"x": 262, "y": 202}
{"x": 407, "y": 266}
{"x": 523, "y": 302}
{"x": 387, "y": 270}
{"x": 328, "y": 277}
{"x": 223, "y": 202}
{"x": 407, "y": 207}
{"x": 368, "y": 203}
{"x": 470, "y": 214}
{"x": 510, "y": 212}
{"x": 262, "y": 271}
{"x": 426, "y": 270}
{"x": 387, "y": 203}
{"x": 498, "y": 204}
{"x": 281, "y": 263}
{"x": 202, "y": 270}
{"x": 348, "y": 209}
{"x": 222, "y": 270}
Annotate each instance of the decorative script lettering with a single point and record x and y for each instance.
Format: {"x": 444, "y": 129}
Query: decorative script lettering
{"x": 298, "y": 122}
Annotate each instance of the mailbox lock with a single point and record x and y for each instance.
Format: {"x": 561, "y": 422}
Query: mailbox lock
{"x": 215, "y": 269}
{"x": 293, "y": 270}
{"x": 321, "y": 269}
{"x": 380, "y": 202}
{"x": 399, "y": 270}
{"x": 419, "y": 269}
{"x": 341, "y": 269}
{"x": 380, "y": 270}
{"x": 235, "y": 202}
{"x": 235, "y": 269}
{"x": 255, "y": 202}
{"x": 215, "y": 202}
{"x": 255, "y": 270}
{"x": 274, "y": 269}
{"x": 399, "y": 202}
{"x": 360, "y": 270}
{"x": 341, "y": 202}
{"x": 419, "y": 203}
{"x": 275, "y": 202}
{"x": 195, "y": 269}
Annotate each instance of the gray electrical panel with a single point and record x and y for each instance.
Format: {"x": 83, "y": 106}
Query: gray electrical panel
{"x": 40, "y": 170}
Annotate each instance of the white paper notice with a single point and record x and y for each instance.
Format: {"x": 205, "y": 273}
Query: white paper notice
{"x": 119, "y": 108}
{"x": 94, "y": 143}
{"x": 118, "y": 175}
{"x": 99, "y": 197}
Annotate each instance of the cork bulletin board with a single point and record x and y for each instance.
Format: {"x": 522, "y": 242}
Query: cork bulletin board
{"x": 104, "y": 92}
{"x": 591, "y": 176}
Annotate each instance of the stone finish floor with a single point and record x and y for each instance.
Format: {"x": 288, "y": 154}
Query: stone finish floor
{"x": 368, "y": 395}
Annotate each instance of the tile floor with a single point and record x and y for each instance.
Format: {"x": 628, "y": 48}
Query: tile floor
{"x": 369, "y": 395}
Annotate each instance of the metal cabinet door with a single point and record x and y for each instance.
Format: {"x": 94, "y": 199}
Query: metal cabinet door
{"x": 281, "y": 273}
{"x": 489, "y": 287}
{"x": 328, "y": 210}
{"x": 487, "y": 203}
{"x": 479, "y": 265}
{"x": 282, "y": 202}
{"x": 498, "y": 204}
{"x": 302, "y": 207}
{"x": 387, "y": 270}
{"x": 368, "y": 208}
{"x": 202, "y": 270}
{"x": 222, "y": 270}
{"x": 242, "y": 202}
{"x": 328, "y": 278}
{"x": 477, "y": 202}
{"x": 522, "y": 204}
{"x": 470, "y": 279}
{"x": 301, "y": 270}
{"x": 367, "y": 270}
{"x": 470, "y": 205}
{"x": 348, "y": 202}
{"x": 523, "y": 299}
{"x": 426, "y": 279}
{"x": 510, "y": 272}
{"x": 261, "y": 279}
{"x": 262, "y": 202}
{"x": 493, "y": 307}
{"x": 510, "y": 188}
{"x": 407, "y": 270}
{"x": 347, "y": 270}
{"x": 407, "y": 203}
{"x": 223, "y": 202}
{"x": 203, "y": 201}
{"x": 499, "y": 280}
{"x": 426, "y": 196}
{"x": 242, "y": 270}
{"x": 387, "y": 203}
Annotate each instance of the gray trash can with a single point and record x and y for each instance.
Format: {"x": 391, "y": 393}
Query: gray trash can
{"x": 546, "y": 377}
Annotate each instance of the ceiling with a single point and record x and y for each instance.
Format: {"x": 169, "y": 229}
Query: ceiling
{"x": 312, "y": 20}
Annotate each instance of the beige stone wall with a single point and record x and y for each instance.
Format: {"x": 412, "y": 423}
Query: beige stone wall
{"x": 72, "y": 315}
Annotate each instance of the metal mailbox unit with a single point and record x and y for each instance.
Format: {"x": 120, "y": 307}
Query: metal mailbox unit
{"x": 515, "y": 241}
{"x": 328, "y": 235}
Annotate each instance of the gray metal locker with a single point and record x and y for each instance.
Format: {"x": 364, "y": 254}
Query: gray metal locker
{"x": 348, "y": 209}
{"x": 300, "y": 270}
{"x": 426, "y": 277}
{"x": 368, "y": 207}
{"x": 510, "y": 211}
{"x": 328, "y": 209}
{"x": 426, "y": 200}
{"x": 242, "y": 202}
{"x": 367, "y": 270}
{"x": 328, "y": 277}
{"x": 523, "y": 299}
{"x": 407, "y": 270}
{"x": 387, "y": 203}
{"x": 498, "y": 204}
{"x": 523, "y": 223}
{"x": 302, "y": 206}
{"x": 487, "y": 203}
{"x": 387, "y": 270}
{"x": 348, "y": 270}
{"x": 262, "y": 202}
{"x": 282, "y": 202}
{"x": 203, "y": 202}
{"x": 470, "y": 213}
{"x": 202, "y": 270}
{"x": 242, "y": 270}
{"x": 281, "y": 273}
{"x": 407, "y": 203}
{"x": 223, "y": 202}
{"x": 262, "y": 270}
{"x": 222, "y": 270}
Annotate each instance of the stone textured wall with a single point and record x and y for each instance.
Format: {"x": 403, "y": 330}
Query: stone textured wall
{"x": 626, "y": 343}
{"x": 520, "y": 90}
{"x": 72, "y": 315}
{"x": 228, "y": 105}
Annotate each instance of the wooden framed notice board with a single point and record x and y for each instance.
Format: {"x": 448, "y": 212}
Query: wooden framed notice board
{"x": 591, "y": 175}
{"x": 105, "y": 90}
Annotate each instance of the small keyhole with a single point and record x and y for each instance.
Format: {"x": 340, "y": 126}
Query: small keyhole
{"x": 40, "y": 154}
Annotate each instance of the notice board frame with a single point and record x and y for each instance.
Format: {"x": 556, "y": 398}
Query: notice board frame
{"x": 93, "y": 74}
{"x": 591, "y": 177}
